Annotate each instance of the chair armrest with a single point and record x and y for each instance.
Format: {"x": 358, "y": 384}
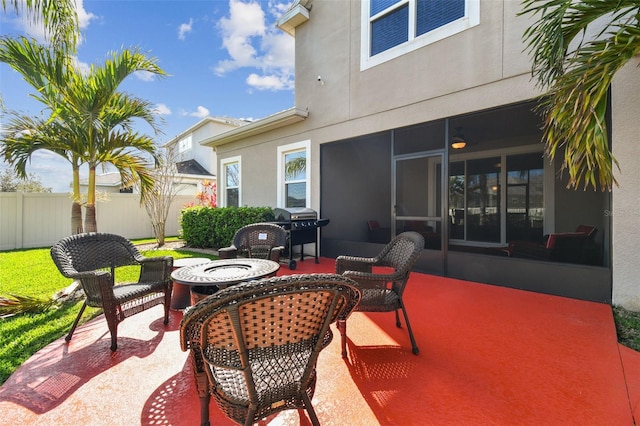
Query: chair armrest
{"x": 230, "y": 252}
{"x": 366, "y": 277}
{"x": 97, "y": 286}
{"x": 353, "y": 263}
{"x": 275, "y": 253}
{"x": 155, "y": 268}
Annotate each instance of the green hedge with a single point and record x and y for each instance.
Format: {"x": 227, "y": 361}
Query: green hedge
{"x": 207, "y": 227}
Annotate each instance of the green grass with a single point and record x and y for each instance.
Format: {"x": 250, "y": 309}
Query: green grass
{"x": 627, "y": 327}
{"x": 32, "y": 273}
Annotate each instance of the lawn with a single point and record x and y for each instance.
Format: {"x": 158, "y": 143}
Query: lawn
{"x": 32, "y": 273}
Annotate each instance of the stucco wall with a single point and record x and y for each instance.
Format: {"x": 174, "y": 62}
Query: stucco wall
{"x": 626, "y": 197}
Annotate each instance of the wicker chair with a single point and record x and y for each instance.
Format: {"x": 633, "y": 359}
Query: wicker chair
{"x": 382, "y": 290}
{"x": 92, "y": 259}
{"x": 254, "y": 346}
{"x": 260, "y": 240}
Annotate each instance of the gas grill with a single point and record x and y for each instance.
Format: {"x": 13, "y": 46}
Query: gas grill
{"x": 302, "y": 224}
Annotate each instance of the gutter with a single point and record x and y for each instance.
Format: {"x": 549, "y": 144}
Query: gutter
{"x": 272, "y": 122}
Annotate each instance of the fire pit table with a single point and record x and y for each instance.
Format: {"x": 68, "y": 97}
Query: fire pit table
{"x": 207, "y": 278}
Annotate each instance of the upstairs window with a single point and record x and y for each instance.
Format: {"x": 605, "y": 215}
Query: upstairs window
{"x": 391, "y": 28}
{"x": 185, "y": 144}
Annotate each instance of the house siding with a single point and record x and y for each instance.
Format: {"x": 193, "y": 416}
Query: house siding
{"x": 478, "y": 69}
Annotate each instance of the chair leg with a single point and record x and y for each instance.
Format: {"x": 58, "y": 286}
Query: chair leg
{"x": 112, "y": 323}
{"x": 342, "y": 327}
{"x": 398, "y": 324}
{"x": 75, "y": 323}
{"x": 414, "y": 346}
{"x": 204, "y": 410}
{"x": 167, "y": 305}
{"x": 310, "y": 410}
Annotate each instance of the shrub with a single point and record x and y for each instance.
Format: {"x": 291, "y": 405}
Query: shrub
{"x": 206, "y": 227}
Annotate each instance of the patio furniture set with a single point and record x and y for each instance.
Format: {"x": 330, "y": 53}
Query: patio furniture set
{"x": 254, "y": 340}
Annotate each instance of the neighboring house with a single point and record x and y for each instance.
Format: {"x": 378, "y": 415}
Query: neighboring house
{"x": 194, "y": 163}
{"x": 106, "y": 183}
{"x": 383, "y": 91}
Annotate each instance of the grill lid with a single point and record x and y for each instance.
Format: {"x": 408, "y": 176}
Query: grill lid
{"x": 294, "y": 213}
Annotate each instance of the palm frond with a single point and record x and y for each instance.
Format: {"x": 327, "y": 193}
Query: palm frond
{"x": 14, "y": 304}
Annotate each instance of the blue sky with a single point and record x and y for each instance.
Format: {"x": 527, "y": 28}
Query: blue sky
{"x": 224, "y": 58}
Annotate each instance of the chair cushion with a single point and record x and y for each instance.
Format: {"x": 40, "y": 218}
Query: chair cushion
{"x": 126, "y": 292}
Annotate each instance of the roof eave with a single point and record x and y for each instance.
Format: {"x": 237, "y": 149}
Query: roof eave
{"x": 296, "y": 15}
{"x": 272, "y": 122}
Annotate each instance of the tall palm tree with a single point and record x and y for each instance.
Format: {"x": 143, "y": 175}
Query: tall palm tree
{"x": 93, "y": 121}
{"x": 58, "y": 17}
{"x": 577, "y": 47}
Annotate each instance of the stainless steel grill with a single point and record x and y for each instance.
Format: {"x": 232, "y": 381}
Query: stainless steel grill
{"x": 302, "y": 224}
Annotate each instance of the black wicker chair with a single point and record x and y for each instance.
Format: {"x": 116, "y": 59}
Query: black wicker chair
{"x": 254, "y": 346}
{"x": 381, "y": 290}
{"x": 92, "y": 259}
{"x": 261, "y": 240}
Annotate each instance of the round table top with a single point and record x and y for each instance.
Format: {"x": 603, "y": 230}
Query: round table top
{"x": 189, "y": 261}
{"x": 225, "y": 271}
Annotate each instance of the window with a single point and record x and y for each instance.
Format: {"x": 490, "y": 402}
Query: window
{"x": 293, "y": 182}
{"x": 391, "y": 28}
{"x": 184, "y": 144}
{"x": 480, "y": 212}
{"x": 230, "y": 190}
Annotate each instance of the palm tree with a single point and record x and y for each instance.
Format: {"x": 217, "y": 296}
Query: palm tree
{"x": 25, "y": 135}
{"x": 576, "y": 60}
{"x": 59, "y": 18}
{"x": 90, "y": 121}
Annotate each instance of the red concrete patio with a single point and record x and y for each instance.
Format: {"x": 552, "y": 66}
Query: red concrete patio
{"x": 488, "y": 355}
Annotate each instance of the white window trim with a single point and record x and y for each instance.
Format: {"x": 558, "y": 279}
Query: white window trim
{"x": 222, "y": 185}
{"x": 285, "y": 149}
{"x": 471, "y": 19}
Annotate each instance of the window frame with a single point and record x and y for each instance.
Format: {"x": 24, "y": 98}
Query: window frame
{"x": 222, "y": 184}
{"x": 185, "y": 144}
{"x": 283, "y": 150}
{"x": 548, "y": 190}
{"x": 470, "y": 19}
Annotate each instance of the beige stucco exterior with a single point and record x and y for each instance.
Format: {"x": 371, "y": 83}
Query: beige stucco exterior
{"x": 626, "y": 197}
{"x": 483, "y": 67}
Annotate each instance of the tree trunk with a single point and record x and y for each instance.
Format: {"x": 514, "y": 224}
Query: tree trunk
{"x": 90, "y": 224}
{"x": 76, "y": 207}
{"x": 76, "y": 218}
{"x": 158, "y": 229}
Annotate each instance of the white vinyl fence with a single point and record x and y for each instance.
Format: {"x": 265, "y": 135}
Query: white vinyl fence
{"x": 29, "y": 220}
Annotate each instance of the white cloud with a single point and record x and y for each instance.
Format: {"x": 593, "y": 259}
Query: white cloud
{"x": 183, "y": 29}
{"x": 200, "y": 112}
{"x": 144, "y": 75}
{"x": 252, "y": 42}
{"x": 84, "y": 17}
{"x": 268, "y": 82}
{"x": 162, "y": 109}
